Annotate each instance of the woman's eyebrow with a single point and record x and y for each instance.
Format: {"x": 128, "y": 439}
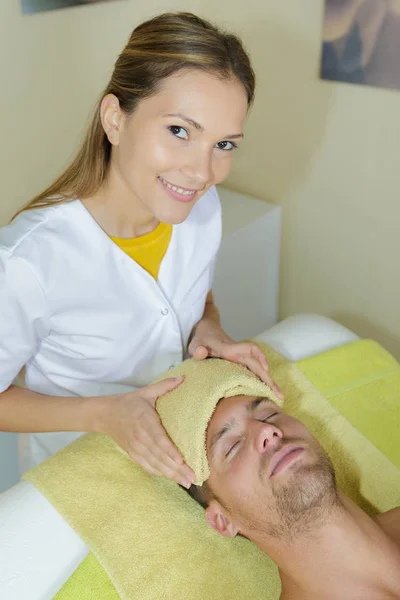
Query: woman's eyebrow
{"x": 197, "y": 125}
{"x": 187, "y": 119}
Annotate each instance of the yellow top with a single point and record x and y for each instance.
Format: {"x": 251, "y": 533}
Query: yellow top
{"x": 147, "y": 250}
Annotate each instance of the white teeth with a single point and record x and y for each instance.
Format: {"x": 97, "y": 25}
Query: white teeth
{"x": 178, "y": 189}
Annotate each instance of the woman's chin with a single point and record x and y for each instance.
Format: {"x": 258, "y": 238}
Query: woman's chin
{"x": 174, "y": 216}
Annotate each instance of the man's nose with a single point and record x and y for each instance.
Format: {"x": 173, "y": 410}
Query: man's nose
{"x": 267, "y": 437}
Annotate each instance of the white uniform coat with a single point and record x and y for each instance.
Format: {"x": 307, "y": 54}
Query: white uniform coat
{"x": 84, "y": 317}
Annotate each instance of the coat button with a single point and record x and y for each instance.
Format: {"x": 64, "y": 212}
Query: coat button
{"x": 164, "y": 311}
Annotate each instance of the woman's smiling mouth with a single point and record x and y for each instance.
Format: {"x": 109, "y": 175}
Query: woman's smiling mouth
{"x": 178, "y": 193}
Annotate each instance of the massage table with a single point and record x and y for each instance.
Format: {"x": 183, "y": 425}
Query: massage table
{"x": 39, "y": 551}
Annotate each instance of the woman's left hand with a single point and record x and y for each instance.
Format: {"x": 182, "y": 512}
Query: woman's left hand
{"x": 210, "y": 339}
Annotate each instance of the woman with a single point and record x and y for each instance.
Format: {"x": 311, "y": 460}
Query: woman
{"x": 106, "y": 276}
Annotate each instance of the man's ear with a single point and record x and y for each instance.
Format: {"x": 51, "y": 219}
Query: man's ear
{"x": 220, "y": 520}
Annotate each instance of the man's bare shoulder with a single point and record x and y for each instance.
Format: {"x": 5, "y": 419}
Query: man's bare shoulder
{"x": 390, "y": 523}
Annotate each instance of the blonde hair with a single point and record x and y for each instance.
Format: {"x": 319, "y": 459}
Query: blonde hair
{"x": 156, "y": 49}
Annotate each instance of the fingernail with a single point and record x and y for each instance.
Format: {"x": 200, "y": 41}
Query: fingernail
{"x": 186, "y": 484}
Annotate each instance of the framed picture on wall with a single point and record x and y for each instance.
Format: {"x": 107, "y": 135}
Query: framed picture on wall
{"x": 361, "y": 42}
{"x": 33, "y": 6}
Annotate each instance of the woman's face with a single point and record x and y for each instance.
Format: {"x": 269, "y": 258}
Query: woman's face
{"x": 177, "y": 143}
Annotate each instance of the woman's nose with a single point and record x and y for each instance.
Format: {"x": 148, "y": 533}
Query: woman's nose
{"x": 198, "y": 169}
{"x": 267, "y": 437}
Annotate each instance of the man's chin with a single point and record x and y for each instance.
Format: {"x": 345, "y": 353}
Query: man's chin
{"x": 307, "y": 486}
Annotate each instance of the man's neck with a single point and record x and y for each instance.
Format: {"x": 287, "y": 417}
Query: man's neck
{"x": 346, "y": 553}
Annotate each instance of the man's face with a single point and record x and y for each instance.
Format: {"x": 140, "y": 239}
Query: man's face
{"x": 266, "y": 467}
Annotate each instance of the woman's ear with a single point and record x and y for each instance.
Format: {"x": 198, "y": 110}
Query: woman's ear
{"x": 220, "y": 520}
{"x": 111, "y": 118}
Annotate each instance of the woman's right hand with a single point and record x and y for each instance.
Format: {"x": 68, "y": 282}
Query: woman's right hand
{"x": 133, "y": 423}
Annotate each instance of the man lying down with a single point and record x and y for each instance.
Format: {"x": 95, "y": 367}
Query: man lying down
{"x": 271, "y": 481}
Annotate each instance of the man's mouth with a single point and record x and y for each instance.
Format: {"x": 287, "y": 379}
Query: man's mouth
{"x": 284, "y": 457}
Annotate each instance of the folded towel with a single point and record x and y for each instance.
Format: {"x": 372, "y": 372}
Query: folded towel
{"x": 186, "y": 411}
{"x": 151, "y": 537}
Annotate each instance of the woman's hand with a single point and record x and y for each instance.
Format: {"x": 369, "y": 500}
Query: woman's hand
{"x": 209, "y": 339}
{"x": 134, "y": 424}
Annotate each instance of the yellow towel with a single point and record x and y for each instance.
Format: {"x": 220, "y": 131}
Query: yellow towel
{"x": 362, "y": 381}
{"x": 147, "y": 533}
{"x": 88, "y": 582}
{"x": 152, "y": 539}
{"x": 186, "y": 411}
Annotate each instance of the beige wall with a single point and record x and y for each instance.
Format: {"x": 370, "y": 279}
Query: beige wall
{"x": 329, "y": 153}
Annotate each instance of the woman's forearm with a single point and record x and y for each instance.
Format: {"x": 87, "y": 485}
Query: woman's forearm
{"x": 211, "y": 312}
{"x": 210, "y": 317}
{"x": 23, "y": 411}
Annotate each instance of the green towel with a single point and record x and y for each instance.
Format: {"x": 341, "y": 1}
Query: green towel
{"x": 89, "y": 582}
{"x": 169, "y": 551}
{"x": 362, "y": 381}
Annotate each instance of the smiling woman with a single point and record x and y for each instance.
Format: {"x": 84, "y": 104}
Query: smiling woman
{"x": 180, "y": 153}
{"x": 33, "y": 6}
{"x": 107, "y": 273}
{"x": 180, "y": 90}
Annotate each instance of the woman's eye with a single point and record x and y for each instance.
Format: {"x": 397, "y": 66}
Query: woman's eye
{"x": 227, "y": 146}
{"x": 179, "y": 132}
